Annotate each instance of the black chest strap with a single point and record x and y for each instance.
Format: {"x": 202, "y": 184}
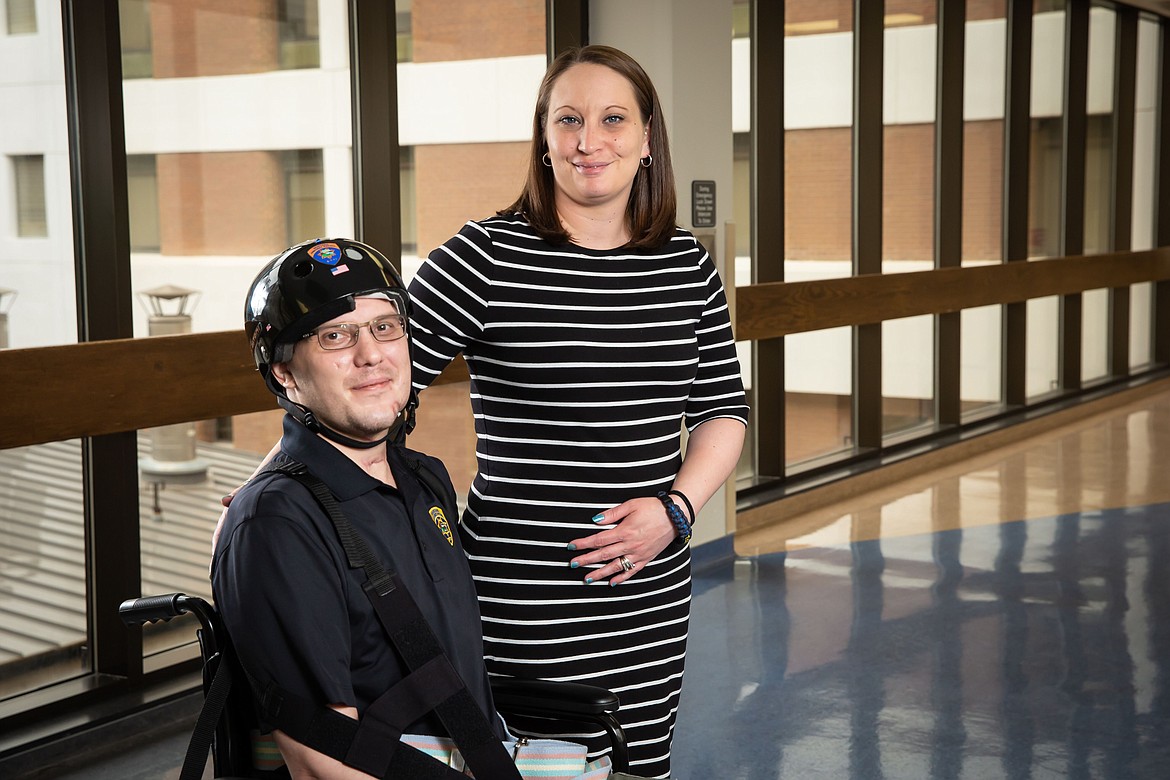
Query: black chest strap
{"x": 371, "y": 743}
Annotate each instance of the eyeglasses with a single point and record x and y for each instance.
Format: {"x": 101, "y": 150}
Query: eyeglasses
{"x": 345, "y": 334}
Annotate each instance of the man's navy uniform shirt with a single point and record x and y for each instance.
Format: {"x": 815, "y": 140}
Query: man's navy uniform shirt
{"x": 297, "y": 613}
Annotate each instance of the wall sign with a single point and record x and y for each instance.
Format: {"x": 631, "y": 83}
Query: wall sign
{"x": 703, "y": 204}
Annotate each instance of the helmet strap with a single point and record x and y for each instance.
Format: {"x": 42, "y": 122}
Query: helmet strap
{"x": 404, "y": 426}
{"x": 305, "y": 417}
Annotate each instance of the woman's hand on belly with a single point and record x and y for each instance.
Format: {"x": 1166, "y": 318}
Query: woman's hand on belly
{"x": 641, "y": 530}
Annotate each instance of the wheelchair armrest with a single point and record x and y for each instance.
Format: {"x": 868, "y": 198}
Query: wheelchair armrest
{"x": 567, "y": 700}
{"x": 516, "y": 695}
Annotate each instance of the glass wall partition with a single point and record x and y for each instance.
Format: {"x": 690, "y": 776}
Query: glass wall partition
{"x": 239, "y": 144}
{"x": 1144, "y": 165}
{"x": 820, "y": 56}
{"x": 818, "y": 182}
{"x": 468, "y": 76}
{"x": 1044, "y": 208}
{"x": 981, "y": 375}
{"x": 908, "y": 214}
{"x": 44, "y": 631}
{"x": 1099, "y": 145}
{"x": 743, "y": 217}
{"x": 37, "y": 305}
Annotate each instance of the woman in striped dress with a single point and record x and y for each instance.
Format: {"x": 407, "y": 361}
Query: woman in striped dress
{"x": 593, "y": 328}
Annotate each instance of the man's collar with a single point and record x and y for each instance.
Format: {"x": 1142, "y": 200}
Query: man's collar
{"x": 345, "y": 478}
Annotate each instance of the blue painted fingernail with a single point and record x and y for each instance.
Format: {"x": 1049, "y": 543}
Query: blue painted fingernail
{"x": 598, "y": 518}
{"x": 613, "y": 584}
{"x": 572, "y": 546}
{"x": 573, "y": 564}
{"x": 588, "y": 580}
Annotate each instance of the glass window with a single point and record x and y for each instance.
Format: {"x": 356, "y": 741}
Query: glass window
{"x": 409, "y": 201}
{"x": 742, "y": 204}
{"x": 134, "y": 24}
{"x": 818, "y": 221}
{"x": 980, "y": 380}
{"x": 405, "y": 40}
{"x": 304, "y": 190}
{"x": 1144, "y": 156}
{"x": 237, "y": 168}
{"x": 36, "y": 215}
{"x": 1044, "y": 218}
{"x": 231, "y": 158}
{"x": 21, "y": 16}
{"x": 44, "y": 635}
{"x": 299, "y": 34}
{"x": 908, "y": 206}
{"x": 44, "y": 632}
{"x": 142, "y": 186}
{"x": 444, "y": 48}
{"x": 29, "y": 176}
{"x": 1095, "y": 328}
{"x": 452, "y": 44}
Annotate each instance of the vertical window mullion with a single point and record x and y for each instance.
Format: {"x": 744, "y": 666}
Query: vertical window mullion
{"x": 1125, "y": 46}
{"x": 93, "y": 83}
{"x": 1076, "y": 87}
{"x": 1017, "y": 151}
{"x": 948, "y": 194}
{"x": 768, "y": 227}
{"x": 376, "y": 170}
{"x": 567, "y": 23}
{"x": 868, "y": 142}
{"x": 1161, "y": 318}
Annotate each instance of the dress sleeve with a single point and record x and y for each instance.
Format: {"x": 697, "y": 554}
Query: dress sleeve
{"x": 281, "y": 595}
{"x": 450, "y": 296}
{"x": 718, "y": 387}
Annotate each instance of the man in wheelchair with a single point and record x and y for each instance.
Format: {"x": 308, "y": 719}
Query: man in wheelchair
{"x": 330, "y": 557}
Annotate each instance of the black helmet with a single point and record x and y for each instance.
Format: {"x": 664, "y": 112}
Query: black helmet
{"x": 311, "y": 283}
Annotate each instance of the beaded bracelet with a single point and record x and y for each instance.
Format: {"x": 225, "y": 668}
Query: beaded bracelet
{"x": 681, "y": 526}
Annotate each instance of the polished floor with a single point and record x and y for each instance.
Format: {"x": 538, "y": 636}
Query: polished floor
{"x": 1004, "y": 617}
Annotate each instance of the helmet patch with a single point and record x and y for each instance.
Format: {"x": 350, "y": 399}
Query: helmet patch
{"x": 440, "y": 520}
{"x": 326, "y": 253}
{"x": 339, "y": 269}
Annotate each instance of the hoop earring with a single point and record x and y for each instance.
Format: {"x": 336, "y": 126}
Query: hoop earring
{"x": 647, "y": 161}
{"x": 546, "y": 160}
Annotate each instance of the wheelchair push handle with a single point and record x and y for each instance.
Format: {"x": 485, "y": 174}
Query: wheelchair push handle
{"x": 150, "y": 609}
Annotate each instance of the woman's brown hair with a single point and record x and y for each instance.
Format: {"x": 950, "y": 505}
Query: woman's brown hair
{"x": 650, "y": 213}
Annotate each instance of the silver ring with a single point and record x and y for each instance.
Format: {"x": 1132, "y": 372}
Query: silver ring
{"x": 627, "y": 564}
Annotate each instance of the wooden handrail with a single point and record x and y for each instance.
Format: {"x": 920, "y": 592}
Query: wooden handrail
{"x": 782, "y": 308}
{"x": 62, "y": 392}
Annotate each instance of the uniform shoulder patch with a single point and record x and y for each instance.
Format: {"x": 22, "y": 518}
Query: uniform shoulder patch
{"x": 441, "y": 523}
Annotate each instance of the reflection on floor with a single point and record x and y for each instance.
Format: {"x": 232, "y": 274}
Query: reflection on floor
{"x": 1034, "y": 649}
{"x": 1007, "y": 618}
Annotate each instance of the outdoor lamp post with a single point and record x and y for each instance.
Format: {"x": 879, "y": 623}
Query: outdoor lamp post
{"x": 6, "y": 299}
{"x": 173, "y": 457}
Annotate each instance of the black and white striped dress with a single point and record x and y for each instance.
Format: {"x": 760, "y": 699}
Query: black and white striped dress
{"x": 583, "y": 365}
